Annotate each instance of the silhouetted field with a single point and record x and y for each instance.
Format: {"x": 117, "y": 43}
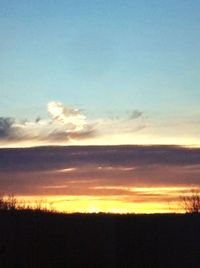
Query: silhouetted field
{"x": 36, "y": 239}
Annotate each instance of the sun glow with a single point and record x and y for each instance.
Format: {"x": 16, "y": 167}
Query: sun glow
{"x": 91, "y": 204}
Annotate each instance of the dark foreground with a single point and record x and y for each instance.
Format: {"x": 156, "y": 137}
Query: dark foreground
{"x": 42, "y": 240}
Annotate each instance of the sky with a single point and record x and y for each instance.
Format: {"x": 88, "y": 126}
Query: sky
{"x": 104, "y": 73}
{"x": 108, "y": 59}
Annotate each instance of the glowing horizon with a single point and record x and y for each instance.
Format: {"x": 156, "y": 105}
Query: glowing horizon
{"x": 112, "y": 204}
{"x": 89, "y": 204}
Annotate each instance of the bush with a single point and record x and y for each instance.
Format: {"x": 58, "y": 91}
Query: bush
{"x": 191, "y": 203}
{"x": 11, "y": 203}
{"x": 8, "y": 203}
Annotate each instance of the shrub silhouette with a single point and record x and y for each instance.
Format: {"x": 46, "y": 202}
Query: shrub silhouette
{"x": 11, "y": 203}
{"x": 191, "y": 203}
{"x": 8, "y": 203}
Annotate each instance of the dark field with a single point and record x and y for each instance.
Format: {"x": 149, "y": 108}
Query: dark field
{"x": 33, "y": 239}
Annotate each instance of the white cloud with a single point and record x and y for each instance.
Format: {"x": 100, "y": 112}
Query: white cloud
{"x": 70, "y": 117}
{"x": 65, "y": 123}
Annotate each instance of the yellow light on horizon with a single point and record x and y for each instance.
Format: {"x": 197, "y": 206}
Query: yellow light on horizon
{"x": 104, "y": 204}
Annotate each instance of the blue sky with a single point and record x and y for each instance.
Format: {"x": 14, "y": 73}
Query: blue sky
{"x": 104, "y": 57}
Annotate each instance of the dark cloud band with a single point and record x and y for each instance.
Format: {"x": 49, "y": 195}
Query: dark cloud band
{"x": 97, "y": 170}
{"x": 50, "y": 158}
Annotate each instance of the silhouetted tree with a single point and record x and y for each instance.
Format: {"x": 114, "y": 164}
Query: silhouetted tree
{"x": 191, "y": 203}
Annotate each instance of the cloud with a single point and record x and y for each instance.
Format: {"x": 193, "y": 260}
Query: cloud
{"x": 70, "y": 117}
{"x": 135, "y": 114}
{"x": 5, "y": 127}
{"x": 106, "y": 158}
{"x": 114, "y": 169}
{"x": 10, "y": 130}
{"x": 65, "y": 124}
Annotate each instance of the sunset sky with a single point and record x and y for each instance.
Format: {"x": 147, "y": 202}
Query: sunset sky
{"x": 104, "y": 73}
